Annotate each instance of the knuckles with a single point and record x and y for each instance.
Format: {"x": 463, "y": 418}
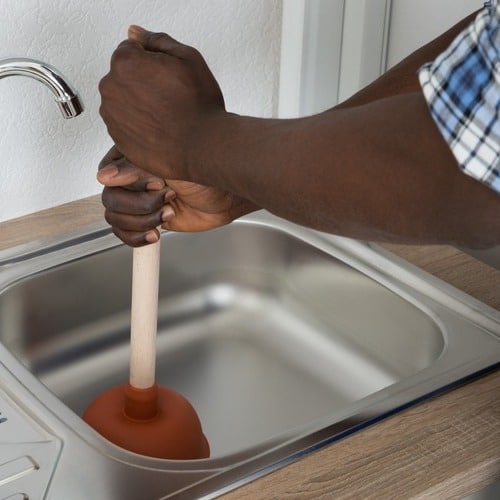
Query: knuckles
{"x": 131, "y": 67}
{"x": 124, "y": 55}
{"x": 123, "y": 66}
{"x": 105, "y": 86}
{"x": 132, "y": 240}
{"x": 151, "y": 202}
{"x": 140, "y": 223}
{"x": 189, "y": 53}
{"x": 124, "y": 201}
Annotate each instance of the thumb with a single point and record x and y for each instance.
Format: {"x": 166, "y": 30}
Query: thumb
{"x": 155, "y": 42}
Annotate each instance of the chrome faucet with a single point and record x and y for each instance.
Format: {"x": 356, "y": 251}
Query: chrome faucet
{"x": 66, "y": 98}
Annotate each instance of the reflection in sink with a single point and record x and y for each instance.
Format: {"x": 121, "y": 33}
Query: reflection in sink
{"x": 282, "y": 338}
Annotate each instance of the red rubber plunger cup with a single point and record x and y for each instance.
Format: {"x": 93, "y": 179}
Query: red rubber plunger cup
{"x": 156, "y": 422}
{"x": 141, "y": 416}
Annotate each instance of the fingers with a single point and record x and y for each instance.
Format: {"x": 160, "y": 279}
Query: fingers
{"x": 140, "y": 40}
{"x": 136, "y": 201}
{"x": 113, "y": 154}
{"x": 134, "y": 230}
{"x": 157, "y": 42}
{"x": 134, "y": 239}
{"x": 134, "y": 216}
{"x": 116, "y": 171}
{"x": 126, "y": 201}
{"x": 138, "y": 230}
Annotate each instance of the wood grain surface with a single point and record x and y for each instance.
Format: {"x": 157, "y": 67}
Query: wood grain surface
{"x": 50, "y": 222}
{"x": 445, "y": 448}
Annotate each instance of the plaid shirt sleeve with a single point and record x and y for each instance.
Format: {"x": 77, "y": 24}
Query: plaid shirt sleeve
{"x": 462, "y": 89}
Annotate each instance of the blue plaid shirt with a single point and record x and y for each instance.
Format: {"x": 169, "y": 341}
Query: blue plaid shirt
{"x": 462, "y": 88}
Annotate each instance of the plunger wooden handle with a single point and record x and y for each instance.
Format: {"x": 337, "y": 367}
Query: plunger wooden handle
{"x": 141, "y": 416}
{"x": 144, "y": 315}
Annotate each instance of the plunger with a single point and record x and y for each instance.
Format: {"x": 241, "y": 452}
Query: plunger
{"x": 140, "y": 415}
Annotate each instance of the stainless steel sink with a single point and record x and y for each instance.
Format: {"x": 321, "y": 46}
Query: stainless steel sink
{"x": 284, "y": 340}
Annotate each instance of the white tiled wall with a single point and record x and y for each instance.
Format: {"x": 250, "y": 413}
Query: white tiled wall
{"x": 45, "y": 160}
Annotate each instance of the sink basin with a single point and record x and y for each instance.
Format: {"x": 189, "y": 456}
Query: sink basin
{"x": 284, "y": 340}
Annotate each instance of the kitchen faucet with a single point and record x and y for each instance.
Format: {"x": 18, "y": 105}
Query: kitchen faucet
{"x": 67, "y": 99}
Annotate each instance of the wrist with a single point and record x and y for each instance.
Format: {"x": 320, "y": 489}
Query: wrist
{"x": 242, "y": 155}
{"x": 205, "y": 152}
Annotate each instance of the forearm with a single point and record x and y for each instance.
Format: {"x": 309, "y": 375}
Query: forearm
{"x": 380, "y": 171}
{"x": 402, "y": 78}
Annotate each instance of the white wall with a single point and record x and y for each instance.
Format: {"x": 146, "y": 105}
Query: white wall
{"x": 45, "y": 160}
{"x": 415, "y": 22}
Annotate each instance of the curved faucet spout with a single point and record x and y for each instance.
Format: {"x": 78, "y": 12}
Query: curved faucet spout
{"x": 66, "y": 97}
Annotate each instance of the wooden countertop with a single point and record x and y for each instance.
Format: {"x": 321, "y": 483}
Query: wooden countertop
{"x": 447, "y": 447}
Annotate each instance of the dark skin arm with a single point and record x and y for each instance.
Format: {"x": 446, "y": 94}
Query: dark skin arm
{"x": 375, "y": 167}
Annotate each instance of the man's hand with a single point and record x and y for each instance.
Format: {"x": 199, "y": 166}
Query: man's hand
{"x": 137, "y": 203}
{"x": 157, "y": 98}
